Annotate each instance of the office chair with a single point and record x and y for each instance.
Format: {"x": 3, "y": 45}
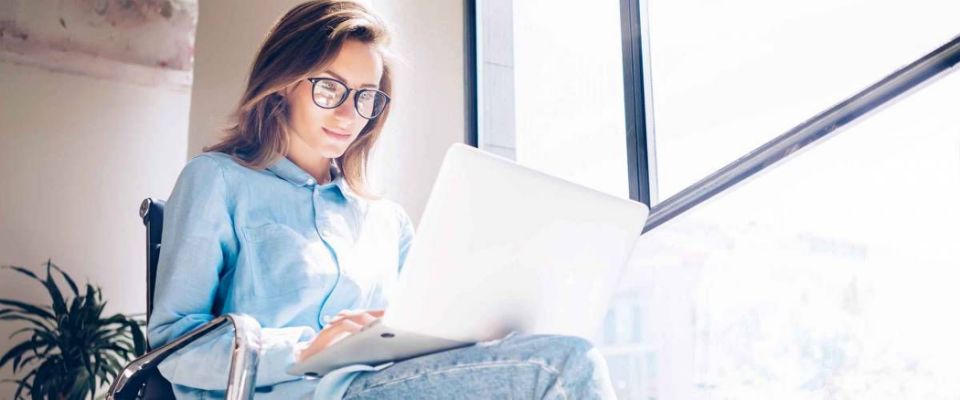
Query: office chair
{"x": 140, "y": 379}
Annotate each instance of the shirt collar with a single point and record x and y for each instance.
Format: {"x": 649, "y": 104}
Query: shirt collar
{"x": 287, "y": 170}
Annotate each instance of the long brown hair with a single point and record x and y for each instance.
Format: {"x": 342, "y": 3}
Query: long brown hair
{"x": 307, "y": 38}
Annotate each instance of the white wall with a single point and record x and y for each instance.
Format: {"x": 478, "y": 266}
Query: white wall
{"x": 94, "y": 104}
{"x": 228, "y": 35}
{"x": 427, "y": 113}
{"x": 77, "y": 155}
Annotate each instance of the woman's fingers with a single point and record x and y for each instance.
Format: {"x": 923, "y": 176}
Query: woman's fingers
{"x": 349, "y": 326}
{"x": 341, "y": 315}
{"x": 377, "y": 313}
{"x": 360, "y": 317}
{"x": 344, "y": 329}
{"x": 338, "y": 332}
{"x": 330, "y": 335}
{"x": 346, "y": 323}
{"x": 365, "y": 319}
{"x": 342, "y": 326}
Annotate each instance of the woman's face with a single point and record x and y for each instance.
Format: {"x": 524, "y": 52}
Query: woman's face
{"x": 328, "y": 132}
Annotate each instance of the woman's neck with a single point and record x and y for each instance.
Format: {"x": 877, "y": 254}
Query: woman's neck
{"x": 318, "y": 167}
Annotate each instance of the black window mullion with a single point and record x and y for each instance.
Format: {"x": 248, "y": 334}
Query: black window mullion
{"x": 638, "y": 157}
{"x": 470, "y": 111}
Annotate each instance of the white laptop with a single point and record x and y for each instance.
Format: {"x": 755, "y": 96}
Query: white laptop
{"x": 500, "y": 248}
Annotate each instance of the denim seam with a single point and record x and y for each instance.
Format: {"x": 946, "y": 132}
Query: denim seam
{"x": 537, "y": 363}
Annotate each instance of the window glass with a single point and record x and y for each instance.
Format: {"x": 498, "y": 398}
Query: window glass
{"x": 832, "y": 275}
{"x": 550, "y": 89}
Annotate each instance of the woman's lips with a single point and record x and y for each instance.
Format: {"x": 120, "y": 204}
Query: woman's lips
{"x": 336, "y": 135}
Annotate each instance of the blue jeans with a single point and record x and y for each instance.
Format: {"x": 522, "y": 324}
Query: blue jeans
{"x": 518, "y": 366}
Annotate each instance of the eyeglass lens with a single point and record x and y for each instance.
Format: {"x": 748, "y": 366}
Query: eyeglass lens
{"x": 329, "y": 93}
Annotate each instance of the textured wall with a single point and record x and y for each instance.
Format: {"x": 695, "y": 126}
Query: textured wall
{"x": 93, "y": 118}
{"x": 147, "y": 42}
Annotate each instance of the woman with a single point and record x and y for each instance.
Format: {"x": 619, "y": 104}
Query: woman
{"x": 276, "y": 222}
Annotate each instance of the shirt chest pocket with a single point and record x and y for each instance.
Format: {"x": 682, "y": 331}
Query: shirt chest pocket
{"x": 284, "y": 261}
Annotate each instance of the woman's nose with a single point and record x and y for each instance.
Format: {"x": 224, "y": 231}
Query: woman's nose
{"x": 346, "y": 110}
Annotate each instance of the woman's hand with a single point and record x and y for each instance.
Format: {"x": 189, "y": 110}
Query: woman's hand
{"x": 344, "y": 324}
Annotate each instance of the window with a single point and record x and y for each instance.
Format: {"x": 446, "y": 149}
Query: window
{"x": 729, "y": 76}
{"x": 828, "y": 276}
{"x": 831, "y": 276}
{"x": 551, "y": 97}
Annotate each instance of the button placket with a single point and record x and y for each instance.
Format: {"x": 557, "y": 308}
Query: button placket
{"x": 320, "y": 224}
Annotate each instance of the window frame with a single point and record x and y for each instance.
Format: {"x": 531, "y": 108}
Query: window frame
{"x": 639, "y": 115}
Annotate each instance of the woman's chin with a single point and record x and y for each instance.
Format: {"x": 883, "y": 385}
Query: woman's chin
{"x": 328, "y": 150}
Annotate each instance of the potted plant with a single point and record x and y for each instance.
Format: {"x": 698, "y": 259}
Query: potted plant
{"x": 69, "y": 348}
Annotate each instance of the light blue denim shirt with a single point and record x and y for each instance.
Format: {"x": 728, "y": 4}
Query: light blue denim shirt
{"x": 274, "y": 245}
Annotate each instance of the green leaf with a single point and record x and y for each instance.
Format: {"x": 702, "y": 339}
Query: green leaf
{"x": 71, "y": 348}
{"x": 19, "y": 331}
{"x": 51, "y": 338}
{"x": 78, "y": 387}
{"x": 38, "y": 323}
{"x": 29, "y": 308}
{"x": 11, "y": 311}
{"x": 139, "y": 339}
{"x": 90, "y": 302}
{"x": 91, "y": 377}
{"x": 24, "y": 361}
{"x": 16, "y": 361}
{"x": 115, "y": 319}
{"x": 98, "y": 309}
{"x": 59, "y": 306}
{"x": 40, "y": 352}
{"x": 24, "y": 271}
{"x": 37, "y": 343}
{"x": 98, "y": 364}
{"x": 115, "y": 347}
{"x": 16, "y": 351}
{"x": 73, "y": 285}
{"x": 19, "y": 312}
{"x": 76, "y": 308}
{"x": 22, "y": 383}
{"x": 40, "y": 377}
{"x": 110, "y": 360}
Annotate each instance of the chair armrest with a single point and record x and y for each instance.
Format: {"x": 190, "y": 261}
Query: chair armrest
{"x": 243, "y": 361}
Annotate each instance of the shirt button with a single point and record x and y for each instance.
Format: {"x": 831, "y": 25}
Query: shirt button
{"x": 310, "y": 181}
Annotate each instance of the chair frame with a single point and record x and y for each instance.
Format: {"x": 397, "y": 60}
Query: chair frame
{"x": 245, "y": 355}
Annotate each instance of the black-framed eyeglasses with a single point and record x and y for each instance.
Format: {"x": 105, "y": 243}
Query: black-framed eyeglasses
{"x": 331, "y": 93}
